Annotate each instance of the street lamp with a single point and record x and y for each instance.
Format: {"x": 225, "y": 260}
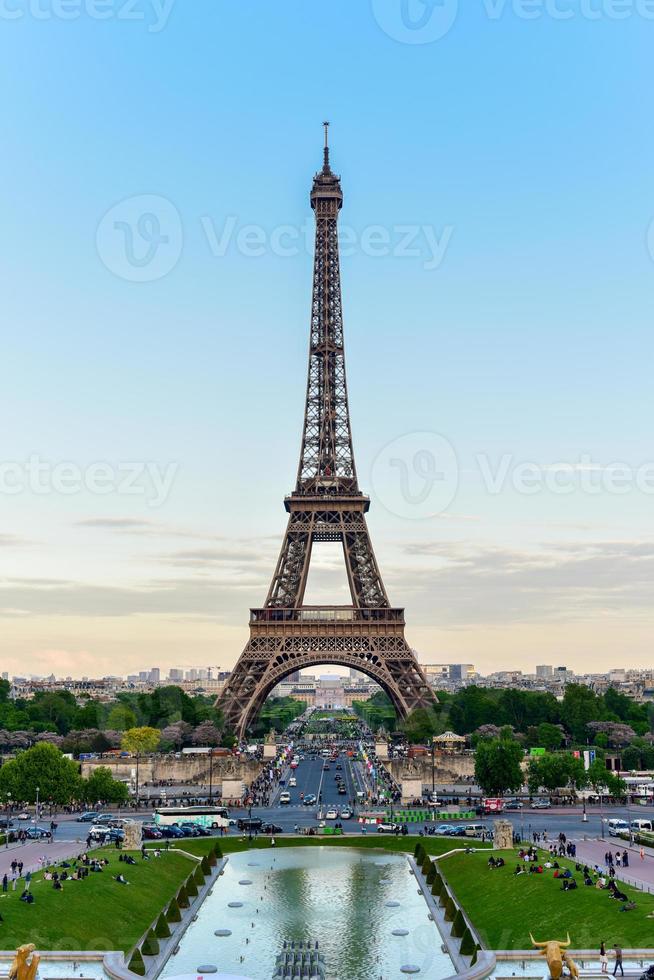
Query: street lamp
{"x": 250, "y": 822}
{"x": 7, "y": 806}
{"x": 210, "y": 775}
{"x": 36, "y": 808}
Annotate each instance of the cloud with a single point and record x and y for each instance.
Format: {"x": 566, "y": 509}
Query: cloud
{"x": 471, "y": 586}
{"x": 12, "y": 541}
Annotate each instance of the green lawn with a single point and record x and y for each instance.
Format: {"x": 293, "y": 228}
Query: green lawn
{"x": 402, "y": 845}
{"x": 504, "y": 908}
{"x": 97, "y": 912}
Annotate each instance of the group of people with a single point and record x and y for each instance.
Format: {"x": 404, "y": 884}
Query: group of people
{"x": 619, "y": 860}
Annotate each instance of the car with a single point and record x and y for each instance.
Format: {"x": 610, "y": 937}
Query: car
{"x": 346, "y": 813}
{"x": 387, "y": 828}
{"x": 150, "y": 831}
{"x": 190, "y": 829}
{"x": 310, "y": 799}
{"x": 249, "y": 823}
{"x": 6, "y": 823}
{"x": 38, "y": 833}
{"x": 342, "y": 789}
{"x": 326, "y": 767}
{"x": 541, "y": 805}
{"x": 292, "y": 781}
{"x": 446, "y": 829}
{"x": 284, "y": 798}
{"x": 332, "y": 814}
{"x": 116, "y": 834}
{"x": 339, "y": 766}
{"x": 172, "y": 831}
{"x": 474, "y": 830}
{"x": 23, "y": 816}
{"x": 617, "y": 827}
{"x": 513, "y": 805}
{"x": 89, "y": 817}
{"x": 272, "y": 828}
{"x": 104, "y": 818}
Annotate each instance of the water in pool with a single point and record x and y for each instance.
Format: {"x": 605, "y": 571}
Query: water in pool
{"x": 338, "y": 896}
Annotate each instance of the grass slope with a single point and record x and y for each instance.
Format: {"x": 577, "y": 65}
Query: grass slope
{"x": 504, "y": 908}
{"x": 96, "y": 913}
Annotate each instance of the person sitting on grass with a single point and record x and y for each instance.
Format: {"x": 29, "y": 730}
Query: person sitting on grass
{"x": 27, "y": 897}
{"x": 518, "y": 870}
{"x": 121, "y": 880}
{"x": 56, "y": 884}
{"x": 569, "y": 885}
{"x": 588, "y": 881}
{"x": 491, "y": 862}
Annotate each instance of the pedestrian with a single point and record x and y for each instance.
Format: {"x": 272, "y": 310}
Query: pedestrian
{"x": 625, "y": 859}
{"x": 20, "y": 869}
{"x": 604, "y": 960}
{"x": 28, "y": 881}
{"x": 618, "y": 860}
{"x": 642, "y": 854}
{"x": 618, "y": 960}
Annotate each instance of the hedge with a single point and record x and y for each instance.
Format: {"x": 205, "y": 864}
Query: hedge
{"x": 419, "y": 852}
{"x": 437, "y": 884}
{"x": 150, "y": 946}
{"x": 191, "y": 887}
{"x": 468, "y": 945}
{"x": 161, "y": 929}
{"x": 136, "y": 964}
{"x": 431, "y": 874}
{"x": 198, "y": 876}
{"x": 205, "y": 865}
{"x": 459, "y": 924}
{"x": 450, "y": 909}
{"x": 182, "y": 898}
{"x": 173, "y": 914}
{"x": 426, "y": 865}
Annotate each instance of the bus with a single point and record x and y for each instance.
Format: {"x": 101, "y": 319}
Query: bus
{"x": 206, "y": 816}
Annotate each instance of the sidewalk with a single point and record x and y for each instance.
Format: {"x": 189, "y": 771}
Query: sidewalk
{"x": 639, "y": 873}
{"x": 32, "y": 852}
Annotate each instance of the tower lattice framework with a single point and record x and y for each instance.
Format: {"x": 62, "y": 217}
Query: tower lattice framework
{"x": 326, "y": 505}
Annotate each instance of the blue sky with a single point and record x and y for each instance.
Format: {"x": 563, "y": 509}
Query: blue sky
{"x": 512, "y": 157}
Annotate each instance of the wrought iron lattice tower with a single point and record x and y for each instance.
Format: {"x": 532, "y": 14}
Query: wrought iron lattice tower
{"x": 326, "y": 505}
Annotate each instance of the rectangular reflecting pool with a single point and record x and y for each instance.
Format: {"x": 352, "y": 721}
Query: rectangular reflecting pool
{"x": 349, "y": 900}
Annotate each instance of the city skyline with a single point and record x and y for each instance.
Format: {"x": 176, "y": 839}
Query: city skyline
{"x": 496, "y": 301}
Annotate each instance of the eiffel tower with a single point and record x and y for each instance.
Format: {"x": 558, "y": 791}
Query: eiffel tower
{"x": 326, "y": 505}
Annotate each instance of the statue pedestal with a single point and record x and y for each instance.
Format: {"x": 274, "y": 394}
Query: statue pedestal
{"x": 133, "y": 839}
{"x": 502, "y": 835}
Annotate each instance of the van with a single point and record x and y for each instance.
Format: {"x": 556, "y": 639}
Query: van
{"x": 638, "y": 825}
{"x": 617, "y": 827}
{"x": 474, "y": 830}
{"x": 284, "y": 797}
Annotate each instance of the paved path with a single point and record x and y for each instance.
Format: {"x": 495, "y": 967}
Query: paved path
{"x": 32, "y": 852}
{"x": 639, "y": 872}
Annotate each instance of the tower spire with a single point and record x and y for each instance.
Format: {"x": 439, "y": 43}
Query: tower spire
{"x": 326, "y": 168}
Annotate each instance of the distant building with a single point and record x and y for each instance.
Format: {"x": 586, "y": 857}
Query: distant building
{"x": 544, "y": 671}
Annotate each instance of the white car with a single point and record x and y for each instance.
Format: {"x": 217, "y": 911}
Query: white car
{"x": 23, "y": 816}
{"x": 292, "y": 781}
{"x": 331, "y": 814}
{"x": 284, "y": 797}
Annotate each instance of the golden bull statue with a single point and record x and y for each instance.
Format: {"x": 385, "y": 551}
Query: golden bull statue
{"x": 25, "y": 963}
{"x": 557, "y": 958}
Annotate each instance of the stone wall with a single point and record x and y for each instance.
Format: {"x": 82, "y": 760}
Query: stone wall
{"x": 448, "y": 768}
{"x": 190, "y": 769}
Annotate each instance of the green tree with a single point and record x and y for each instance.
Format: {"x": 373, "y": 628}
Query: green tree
{"x": 121, "y": 718}
{"x": 102, "y": 787}
{"x": 580, "y": 705}
{"x": 44, "y": 766}
{"x": 555, "y": 771}
{"x": 549, "y": 736}
{"x": 603, "y": 780}
{"x": 421, "y": 726}
{"x": 497, "y": 766}
{"x": 141, "y": 740}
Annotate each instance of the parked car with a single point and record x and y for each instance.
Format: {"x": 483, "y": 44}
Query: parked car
{"x": 513, "y": 805}
{"x": 89, "y": 817}
{"x": 23, "y": 816}
{"x": 6, "y": 823}
{"x": 446, "y": 829}
{"x": 171, "y": 831}
{"x": 194, "y": 830}
{"x": 387, "y": 828}
{"x": 150, "y": 832}
{"x": 474, "y": 830}
{"x": 541, "y": 805}
{"x": 272, "y": 828}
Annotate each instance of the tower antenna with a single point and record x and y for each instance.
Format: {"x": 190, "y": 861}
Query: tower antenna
{"x": 326, "y": 151}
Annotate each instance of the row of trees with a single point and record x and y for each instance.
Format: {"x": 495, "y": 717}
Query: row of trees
{"x": 57, "y": 778}
{"x": 58, "y": 712}
{"x": 609, "y": 721}
{"x": 499, "y": 769}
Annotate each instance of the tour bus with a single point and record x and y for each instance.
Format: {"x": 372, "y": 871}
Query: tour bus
{"x": 206, "y": 816}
